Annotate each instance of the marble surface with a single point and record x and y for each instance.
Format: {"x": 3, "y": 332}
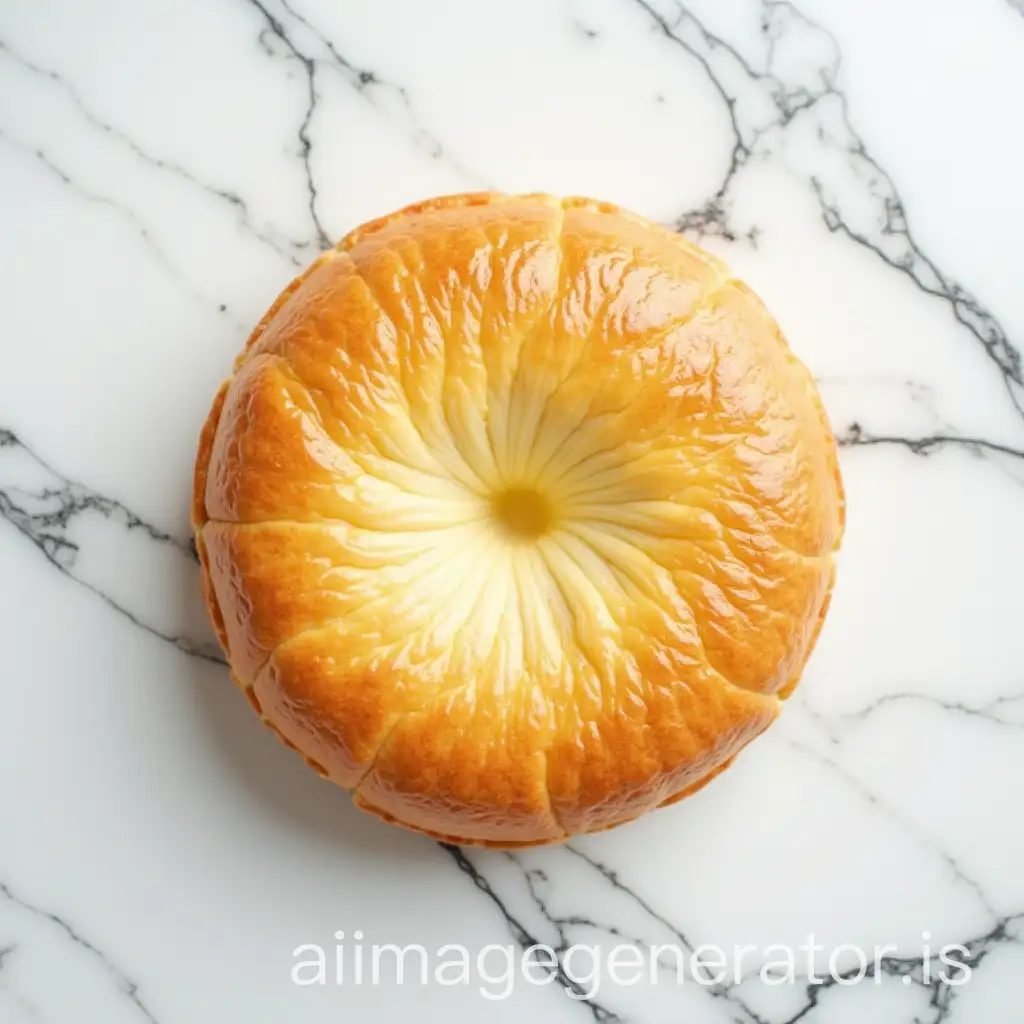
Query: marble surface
{"x": 167, "y": 166}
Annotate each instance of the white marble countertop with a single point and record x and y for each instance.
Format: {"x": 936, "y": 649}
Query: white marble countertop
{"x": 166, "y": 167}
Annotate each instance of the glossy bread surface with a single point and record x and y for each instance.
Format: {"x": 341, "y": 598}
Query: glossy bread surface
{"x": 517, "y": 517}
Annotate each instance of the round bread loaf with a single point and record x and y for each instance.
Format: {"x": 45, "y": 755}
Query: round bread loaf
{"x": 517, "y": 517}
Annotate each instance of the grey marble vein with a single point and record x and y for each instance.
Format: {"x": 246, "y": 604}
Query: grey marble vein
{"x": 879, "y": 801}
{"x": 275, "y": 29}
{"x": 856, "y": 437}
{"x": 597, "y": 1010}
{"x": 240, "y": 206}
{"x": 886, "y": 230}
{"x": 125, "y": 984}
{"x": 941, "y": 995}
{"x": 125, "y": 212}
{"x": 567, "y": 929}
{"x": 1006, "y": 711}
{"x": 282, "y": 28}
{"x": 46, "y": 516}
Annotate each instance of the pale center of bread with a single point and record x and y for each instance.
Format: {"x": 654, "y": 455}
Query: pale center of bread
{"x": 518, "y": 540}
{"x": 523, "y": 512}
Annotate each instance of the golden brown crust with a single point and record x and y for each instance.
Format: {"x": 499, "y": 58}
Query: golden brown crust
{"x": 476, "y": 684}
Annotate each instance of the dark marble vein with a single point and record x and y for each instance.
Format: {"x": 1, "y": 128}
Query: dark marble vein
{"x": 232, "y": 199}
{"x": 277, "y": 30}
{"x": 739, "y": 83}
{"x": 941, "y": 995}
{"x": 855, "y": 436}
{"x": 522, "y": 935}
{"x": 125, "y": 984}
{"x": 285, "y": 28}
{"x": 583, "y": 30}
{"x": 725, "y": 990}
{"x": 711, "y": 217}
{"x": 995, "y": 711}
{"x": 137, "y": 224}
{"x": 376, "y": 89}
{"x": 563, "y": 926}
{"x": 896, "y": 246}
{"x": 74, "y": 498}
{"x": 46, "y": 516}
{"x": 576, "y": 927}
{"x": 614, "y": 880}
{"x": 881, "y": 804}
{"x": 126, "y": 213}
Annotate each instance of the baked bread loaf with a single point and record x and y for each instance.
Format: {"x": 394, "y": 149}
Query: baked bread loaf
{"x": 517, "y": 517}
